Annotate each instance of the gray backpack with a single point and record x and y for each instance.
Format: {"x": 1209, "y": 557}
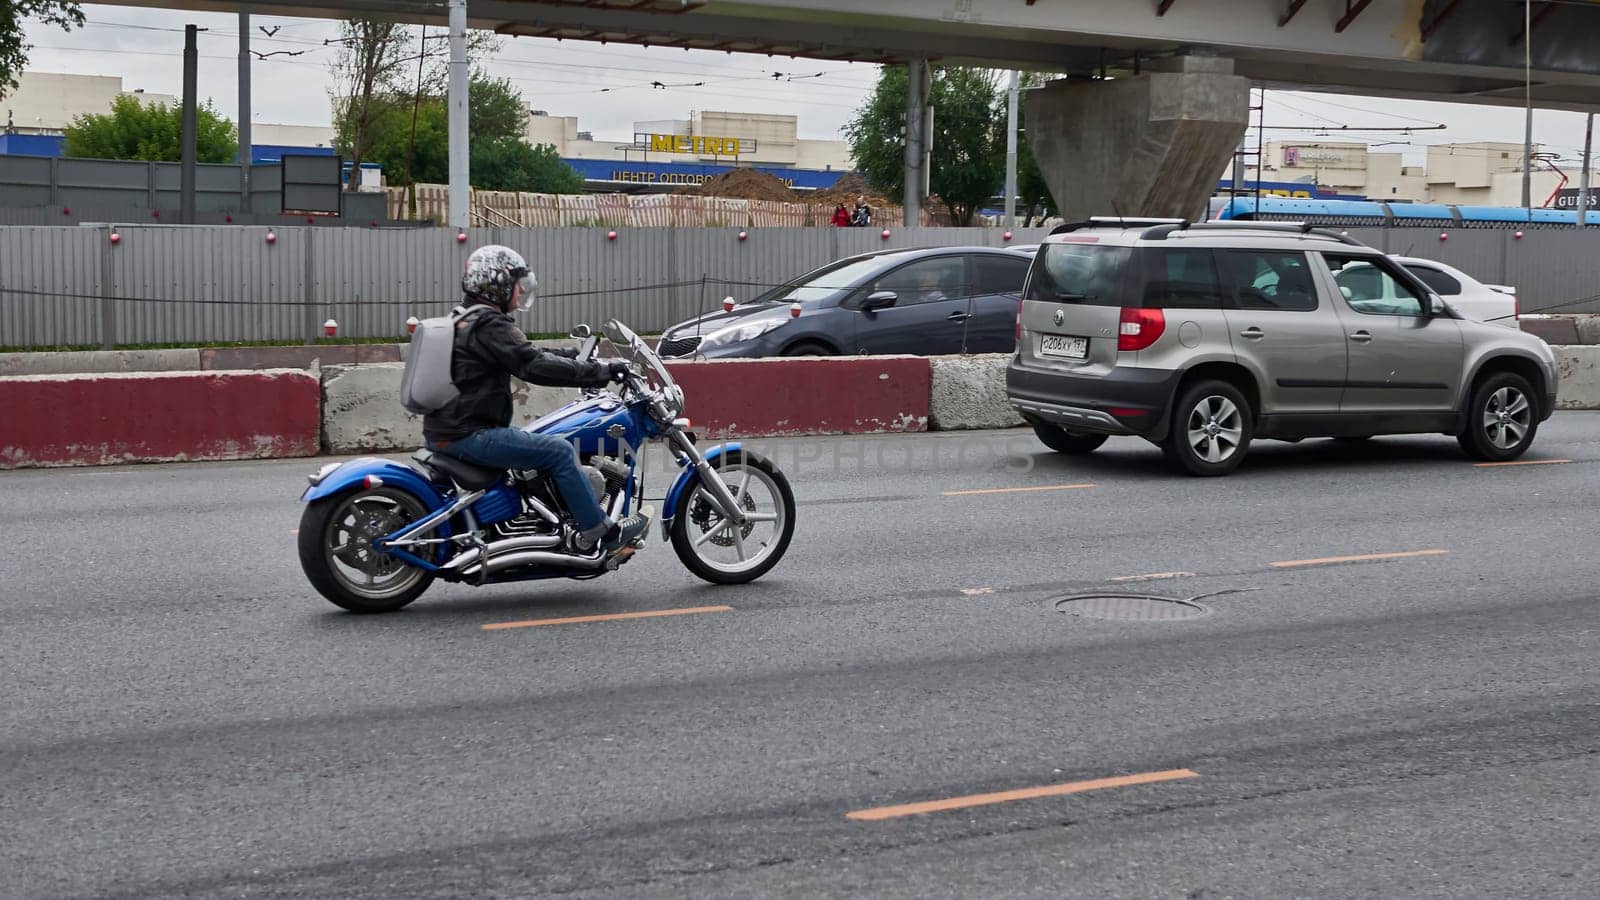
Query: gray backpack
{"x": 425, "y": 386}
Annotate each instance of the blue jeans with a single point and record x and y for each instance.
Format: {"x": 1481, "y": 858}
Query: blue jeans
{"x": 511, "y": 448}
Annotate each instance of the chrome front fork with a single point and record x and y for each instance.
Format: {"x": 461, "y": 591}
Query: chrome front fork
{"x": 725, "y": 502}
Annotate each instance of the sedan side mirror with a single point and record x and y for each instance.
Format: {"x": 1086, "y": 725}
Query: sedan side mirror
{"x": 1436, "y": 306}
{"x": 880, "y": 300}
{"x": 581, "y": 331}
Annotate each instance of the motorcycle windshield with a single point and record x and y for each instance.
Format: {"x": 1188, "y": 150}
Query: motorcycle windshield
{"x": 622, "y": 336}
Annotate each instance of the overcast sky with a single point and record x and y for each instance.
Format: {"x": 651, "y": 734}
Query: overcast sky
{"x": 609, "y": 87}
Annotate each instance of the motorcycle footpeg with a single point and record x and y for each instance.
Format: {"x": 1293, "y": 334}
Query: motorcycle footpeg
{"x": 615, "y": 560}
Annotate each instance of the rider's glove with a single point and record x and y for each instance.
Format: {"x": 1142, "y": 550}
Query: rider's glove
{"x": 617, "y": 371}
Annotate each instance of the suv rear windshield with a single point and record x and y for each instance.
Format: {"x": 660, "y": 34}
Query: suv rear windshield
{"x": 1090, "y": 274}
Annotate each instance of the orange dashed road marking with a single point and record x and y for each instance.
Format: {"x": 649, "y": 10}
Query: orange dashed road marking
{"x": 1019, "y": 490}
{"x": 611, "y": 617}
{"x": 1521, "y": 462}
{"x": 1369, "y": 557}
{"x": 1053, "y": 790}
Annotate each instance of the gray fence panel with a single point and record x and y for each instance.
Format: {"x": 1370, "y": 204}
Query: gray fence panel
{"x": 209, "y": 284}
{"x": 745, "y": 269}
{"x": 1555, "y": 271}
{"x": 24, "y": 181}
{"x": 104, "y": 182}
{"x": 57, "y": 261}
{"x": 584, "y": 276}
{"x": 216, "y": 187}
{"x": 369, "y": 281}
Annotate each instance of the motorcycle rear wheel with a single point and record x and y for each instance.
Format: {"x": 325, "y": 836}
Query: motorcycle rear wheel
{"x": 336, "y": 554}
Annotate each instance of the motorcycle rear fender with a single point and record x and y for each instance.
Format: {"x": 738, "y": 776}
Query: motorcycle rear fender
{"x": 669, "y": 507}
{"x": 352, "y": 474}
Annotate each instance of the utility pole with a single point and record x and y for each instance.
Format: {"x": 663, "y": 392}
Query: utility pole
{"x": 1583, "y": 182}
{"x": 1011, "y": 150}
{"x": 916, "y": 104}
{"x": 460, "y": 176}
{"x": 244, "y": 156}
{"x": 191, "y": 76}
{"x": 1527, "y": 98}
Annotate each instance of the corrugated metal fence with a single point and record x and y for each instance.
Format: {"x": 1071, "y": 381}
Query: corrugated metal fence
{"x": 73, "y": 286}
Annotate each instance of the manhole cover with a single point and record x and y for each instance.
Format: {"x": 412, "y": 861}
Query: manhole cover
{"x": 1135, "y": 607}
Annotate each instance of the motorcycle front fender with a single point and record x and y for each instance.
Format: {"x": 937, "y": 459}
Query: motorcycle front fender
{"x": 352, "y": 474}
{"x": 669, "y": 506}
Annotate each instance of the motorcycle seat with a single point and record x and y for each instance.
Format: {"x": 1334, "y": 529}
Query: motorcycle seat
{"x": 465, "y": 474}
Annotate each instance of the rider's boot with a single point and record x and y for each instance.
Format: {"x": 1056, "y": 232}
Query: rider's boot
{"x": 612, "y": 536}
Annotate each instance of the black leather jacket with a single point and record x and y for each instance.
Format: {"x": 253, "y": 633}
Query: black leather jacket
{"x": 489, "y": 349}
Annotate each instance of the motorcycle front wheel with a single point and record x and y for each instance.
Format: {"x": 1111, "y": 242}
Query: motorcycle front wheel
{"x": 710, "y": 545}
{"x": 336, "y": 535}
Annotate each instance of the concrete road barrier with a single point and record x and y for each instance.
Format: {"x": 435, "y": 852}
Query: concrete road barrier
{"x": 811, "y": 395}
{"x": 90, "y": 420}
{"x": 362, "y": 411}
{"x": 96, "y": 361}
{"x": 1579, "y": 370}
{"x": 970, "y": 392}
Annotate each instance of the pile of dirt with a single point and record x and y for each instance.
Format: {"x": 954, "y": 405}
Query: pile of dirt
{"x": 746, "y": 184}
{"x": 846, "y": 190}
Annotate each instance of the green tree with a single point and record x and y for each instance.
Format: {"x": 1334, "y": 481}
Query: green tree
{"x": 152, "y": 132}
{"x": 967, "y": 163}
{"x": 372, "y": 58}
{"x": 374, "y": 69}
{"x": 13, "y": 45}
{"x": 500, "y": 157}
{"x": 511, "y": 164}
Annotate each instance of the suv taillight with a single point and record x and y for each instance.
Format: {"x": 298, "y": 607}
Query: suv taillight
{"x": 1019, "y": 321}
{"x": 1140, "y": 328}
{"x": 1516, "y": 307}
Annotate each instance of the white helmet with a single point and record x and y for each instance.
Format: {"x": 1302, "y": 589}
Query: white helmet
{"x": 493, "y": 272}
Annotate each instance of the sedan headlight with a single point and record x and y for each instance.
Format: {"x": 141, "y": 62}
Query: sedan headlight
{"x": 743, "y": 331}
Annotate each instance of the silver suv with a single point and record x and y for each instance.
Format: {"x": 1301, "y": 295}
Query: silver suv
{"x": 1202, "y": 337}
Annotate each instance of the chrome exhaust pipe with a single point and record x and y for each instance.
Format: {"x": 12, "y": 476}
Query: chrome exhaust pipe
{"x": 499, "y": 562}
{"x": 469, "y": 559}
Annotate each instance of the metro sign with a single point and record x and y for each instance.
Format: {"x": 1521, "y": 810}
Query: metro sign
{"x": 697, "y": 145}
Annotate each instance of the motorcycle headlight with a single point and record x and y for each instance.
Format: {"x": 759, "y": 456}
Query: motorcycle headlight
{"x": 744, "y": 331}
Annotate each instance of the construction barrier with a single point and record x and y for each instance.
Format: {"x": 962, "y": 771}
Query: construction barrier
{"x": 92, "y": 420}
{"x": 96, "y": 419}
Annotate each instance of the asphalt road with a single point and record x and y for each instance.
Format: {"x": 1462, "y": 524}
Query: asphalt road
{"x": 184, "y": 716}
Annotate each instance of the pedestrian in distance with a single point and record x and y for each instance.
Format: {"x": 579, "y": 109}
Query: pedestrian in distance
{"x": 841, "y": 216}
{"x": 862, "y": 217}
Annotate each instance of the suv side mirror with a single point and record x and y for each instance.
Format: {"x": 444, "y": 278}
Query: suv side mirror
{"x": 581, "y": 331}
{"x": 880, "y": 300}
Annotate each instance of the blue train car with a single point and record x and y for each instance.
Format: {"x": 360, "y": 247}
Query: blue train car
{"x": 1380, "y": 212}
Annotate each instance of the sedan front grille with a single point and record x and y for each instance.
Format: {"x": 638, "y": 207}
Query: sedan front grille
{"x": 679, "y": 346}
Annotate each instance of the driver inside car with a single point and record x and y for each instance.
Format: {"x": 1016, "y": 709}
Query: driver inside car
{"x": 489, "y": 348}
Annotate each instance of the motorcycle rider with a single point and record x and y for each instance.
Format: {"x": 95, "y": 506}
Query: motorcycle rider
{"x": 489, "y": 348}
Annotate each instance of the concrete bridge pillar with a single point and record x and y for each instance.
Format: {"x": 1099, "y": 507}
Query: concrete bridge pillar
{"x": 1150, "y": 145}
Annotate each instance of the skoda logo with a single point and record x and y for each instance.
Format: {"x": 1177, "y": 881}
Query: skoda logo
{"x": 1060, "y": 317}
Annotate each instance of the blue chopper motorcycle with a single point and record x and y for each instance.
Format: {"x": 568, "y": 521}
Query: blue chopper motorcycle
{"x": 376, "y": 533}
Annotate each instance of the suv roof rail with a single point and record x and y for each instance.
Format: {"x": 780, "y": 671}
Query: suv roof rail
{"x": 1113, "y": 222}
{"x": 1161, "y": 233}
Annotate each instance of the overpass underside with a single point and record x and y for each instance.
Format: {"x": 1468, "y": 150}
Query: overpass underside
{"x": 1461, "y": 50}
{"x": 1173, "y": 113}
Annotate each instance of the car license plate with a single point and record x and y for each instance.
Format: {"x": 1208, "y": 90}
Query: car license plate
{"x": 1063, "y": 345}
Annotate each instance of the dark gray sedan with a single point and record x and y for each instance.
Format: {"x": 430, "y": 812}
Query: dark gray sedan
{"x": 925, "y": 302}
